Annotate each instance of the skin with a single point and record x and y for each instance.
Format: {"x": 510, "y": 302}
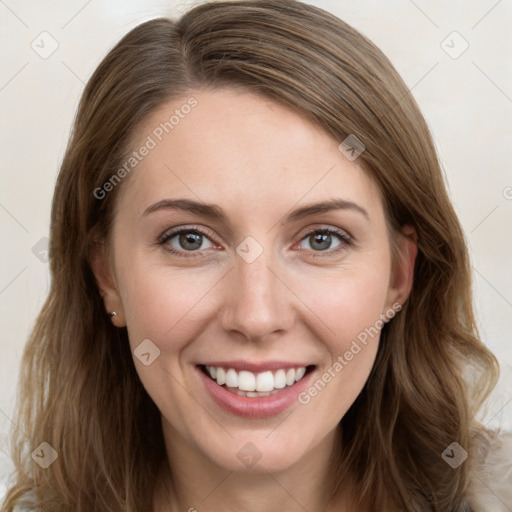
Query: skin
{"x": 257, "y": 161}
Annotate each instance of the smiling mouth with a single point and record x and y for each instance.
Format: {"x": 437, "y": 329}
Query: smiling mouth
{"x": 254, "y": 385}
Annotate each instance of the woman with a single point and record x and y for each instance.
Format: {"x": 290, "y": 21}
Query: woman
{"x": 260, "y": 290}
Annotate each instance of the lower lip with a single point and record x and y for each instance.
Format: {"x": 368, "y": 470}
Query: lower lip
{"x": 254, "y": 407}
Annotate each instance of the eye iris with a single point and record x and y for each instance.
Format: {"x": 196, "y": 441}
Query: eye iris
{"x": 323, "y": 239}
{"x": 190, "y": 241}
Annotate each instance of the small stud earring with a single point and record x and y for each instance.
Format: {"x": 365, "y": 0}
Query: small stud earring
{"x": 112, "y": 315}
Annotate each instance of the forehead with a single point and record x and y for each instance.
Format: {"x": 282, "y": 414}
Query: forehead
{"x": 239, "y": 147}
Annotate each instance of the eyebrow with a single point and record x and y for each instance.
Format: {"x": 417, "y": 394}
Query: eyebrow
{"x": 213, "y": 212}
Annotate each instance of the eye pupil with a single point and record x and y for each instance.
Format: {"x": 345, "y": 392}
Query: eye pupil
{"x": 323, "y": 239}
{"x": 190, "y": 241}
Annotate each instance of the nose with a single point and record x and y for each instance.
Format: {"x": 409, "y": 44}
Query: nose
{"x": 258, "y": 303}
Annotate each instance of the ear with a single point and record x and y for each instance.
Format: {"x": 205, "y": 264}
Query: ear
{"x": 402, "y": 269}
{"x": 105, "y": 279}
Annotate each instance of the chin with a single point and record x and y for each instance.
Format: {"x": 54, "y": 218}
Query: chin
{"x": 252, "y": 460}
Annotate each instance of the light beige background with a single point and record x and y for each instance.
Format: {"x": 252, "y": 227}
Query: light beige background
{"x": 467, "y": 102}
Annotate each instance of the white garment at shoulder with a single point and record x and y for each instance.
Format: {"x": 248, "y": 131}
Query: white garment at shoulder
{"x": 490, "y": 485}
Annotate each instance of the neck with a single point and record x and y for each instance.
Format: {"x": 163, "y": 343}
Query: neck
{"x": 192, "y": 482}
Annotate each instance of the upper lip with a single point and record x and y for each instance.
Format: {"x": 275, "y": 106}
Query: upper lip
{"x": 255, "y": 367}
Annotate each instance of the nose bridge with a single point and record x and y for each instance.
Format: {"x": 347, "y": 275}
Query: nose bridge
{"x": 257, "y": 302}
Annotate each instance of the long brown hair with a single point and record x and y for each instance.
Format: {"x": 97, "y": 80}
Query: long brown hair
{"x": 79, "y": 390}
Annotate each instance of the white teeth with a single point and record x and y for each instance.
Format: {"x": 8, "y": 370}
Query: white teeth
{"x": 279, "y": 379}
{"x": 256, "y": 385}
{"x": 231, "y": 378}
{"x": 221, "y": 376}
{"x": 246, "y": 381}
{"x": 253, "y": 394}
{"x": 265, "y": 381}
{"x": 299, "y": 373}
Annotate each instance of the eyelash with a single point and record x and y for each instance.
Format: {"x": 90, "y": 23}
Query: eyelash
{"x": 345, "y": 238}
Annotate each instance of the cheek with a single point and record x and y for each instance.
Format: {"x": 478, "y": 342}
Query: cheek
{"x": 347, "y": 301}
{"x": 168, "y": 308}
{"x": 163, "y": 304}
{"x": 356, "y": 311}
{"x": 350, "y": 310}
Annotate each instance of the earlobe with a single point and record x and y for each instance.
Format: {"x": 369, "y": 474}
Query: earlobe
{"x": 402, "y": 273}
{"x": 105, "y": 280}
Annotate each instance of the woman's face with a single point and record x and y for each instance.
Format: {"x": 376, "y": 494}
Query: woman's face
{"x": 283, "y": 264}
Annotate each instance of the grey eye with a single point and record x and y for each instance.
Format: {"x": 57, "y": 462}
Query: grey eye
{"x": 188, "y": 240}
{"x": 321, "y": 240}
